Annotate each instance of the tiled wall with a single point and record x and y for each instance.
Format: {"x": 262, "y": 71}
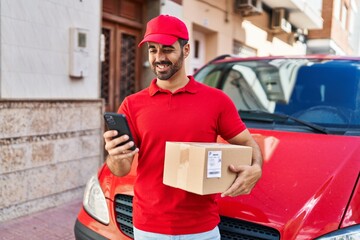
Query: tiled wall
{"x": 48, "y": 150}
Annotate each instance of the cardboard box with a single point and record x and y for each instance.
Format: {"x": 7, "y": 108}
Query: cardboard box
{"x": 203, "y": 168}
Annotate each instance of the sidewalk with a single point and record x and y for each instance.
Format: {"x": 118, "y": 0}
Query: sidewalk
{"x": 50, "y": 224}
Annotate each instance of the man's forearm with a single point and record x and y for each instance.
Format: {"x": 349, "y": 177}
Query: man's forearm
{"x": 257, "y": 156}
{"x": 119, "y": 167}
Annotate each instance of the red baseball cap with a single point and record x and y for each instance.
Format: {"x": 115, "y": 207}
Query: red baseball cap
{"x": 165, "y": 29}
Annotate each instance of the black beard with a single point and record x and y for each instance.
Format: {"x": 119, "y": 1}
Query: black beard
{"x": 174, "y": 68}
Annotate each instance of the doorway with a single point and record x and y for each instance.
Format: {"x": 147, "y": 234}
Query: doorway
{"x": 119, "y": 63}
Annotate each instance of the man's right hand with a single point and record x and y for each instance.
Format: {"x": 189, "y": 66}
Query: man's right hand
{"x": 120, "y": 156}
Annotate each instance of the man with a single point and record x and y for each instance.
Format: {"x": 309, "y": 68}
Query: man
{"x": 176, "y": 108}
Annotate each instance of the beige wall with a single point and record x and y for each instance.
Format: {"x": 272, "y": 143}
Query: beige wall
{"x": 211, "y": 20}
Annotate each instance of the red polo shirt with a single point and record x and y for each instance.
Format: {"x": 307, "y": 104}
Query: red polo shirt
{"x": 195, "y": 113}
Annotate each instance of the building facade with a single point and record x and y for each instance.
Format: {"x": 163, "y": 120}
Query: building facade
{"x": 338, "y": 35}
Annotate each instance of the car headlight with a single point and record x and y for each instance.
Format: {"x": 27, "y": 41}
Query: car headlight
{"x": 94, "y": 201}
{"x": 349, "y": 233}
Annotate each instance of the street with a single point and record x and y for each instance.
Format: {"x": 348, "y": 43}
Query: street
{"x": 50, "y": 224}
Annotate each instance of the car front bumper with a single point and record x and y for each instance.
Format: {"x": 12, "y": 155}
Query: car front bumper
{"x": 83, "y": 233}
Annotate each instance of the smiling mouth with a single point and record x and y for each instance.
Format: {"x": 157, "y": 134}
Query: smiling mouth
{"x": 162, "y": 67}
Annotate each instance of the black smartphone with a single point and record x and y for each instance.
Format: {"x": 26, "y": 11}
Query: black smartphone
{"x": 118, "y": 122}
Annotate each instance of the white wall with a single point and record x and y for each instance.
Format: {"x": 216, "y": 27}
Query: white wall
{"x": 35, "y": 48}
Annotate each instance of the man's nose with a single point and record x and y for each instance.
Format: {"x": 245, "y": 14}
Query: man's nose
{"x": 160, "y": 56}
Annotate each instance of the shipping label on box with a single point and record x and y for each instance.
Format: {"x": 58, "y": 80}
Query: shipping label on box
{"x": 203, "y": 168}
{"x": 214, "y": 164}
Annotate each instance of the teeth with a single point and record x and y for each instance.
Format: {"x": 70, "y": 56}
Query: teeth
{"x": 161, "y": 66}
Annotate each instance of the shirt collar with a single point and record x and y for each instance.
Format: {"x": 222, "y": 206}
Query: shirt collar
{"x": 190, "y": 87}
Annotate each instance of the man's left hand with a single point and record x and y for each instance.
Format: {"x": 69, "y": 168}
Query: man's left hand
{"x": 247, "y": 177}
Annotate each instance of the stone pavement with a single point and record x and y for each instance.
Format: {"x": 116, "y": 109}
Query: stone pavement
{"x": 51, "y": 224}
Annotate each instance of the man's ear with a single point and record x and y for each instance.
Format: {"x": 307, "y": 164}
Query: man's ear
{"x": 186, "y": 50}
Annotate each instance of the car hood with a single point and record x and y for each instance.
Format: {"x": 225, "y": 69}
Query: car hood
{"x": 306, "y": 184}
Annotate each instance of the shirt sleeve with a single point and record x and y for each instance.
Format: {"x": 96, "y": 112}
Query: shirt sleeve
{"x": 125, "y": 109}
{"x": 229, "y": 123}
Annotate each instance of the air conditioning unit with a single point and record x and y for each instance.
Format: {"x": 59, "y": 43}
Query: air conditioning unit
{"x": 248, "y": 7}
{"x": 279, "y": 22}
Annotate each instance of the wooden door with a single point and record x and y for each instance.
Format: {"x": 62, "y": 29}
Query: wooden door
{"x": 120, "y": 68}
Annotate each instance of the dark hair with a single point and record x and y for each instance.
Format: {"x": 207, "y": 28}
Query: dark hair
{"x": 182, "y": 42}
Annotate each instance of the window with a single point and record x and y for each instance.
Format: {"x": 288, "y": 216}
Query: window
{"x": 197, "y": 46}
{"x": 344, "y": 13}
{"x": 337, "y": 7}
{"x": 352, "y": 17}
{"x": 351, "y": 22}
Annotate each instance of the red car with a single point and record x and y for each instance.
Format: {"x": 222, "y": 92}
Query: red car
{"x": 305, "y": 114}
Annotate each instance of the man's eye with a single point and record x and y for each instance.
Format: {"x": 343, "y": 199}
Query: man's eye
{"x": 167, "y": 50}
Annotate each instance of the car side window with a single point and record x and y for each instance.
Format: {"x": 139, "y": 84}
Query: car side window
{"x": 243, "y": 94}
{"x": 212, "y": 79}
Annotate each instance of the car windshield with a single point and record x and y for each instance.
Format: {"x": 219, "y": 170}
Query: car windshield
{"x": 321, "y": 92}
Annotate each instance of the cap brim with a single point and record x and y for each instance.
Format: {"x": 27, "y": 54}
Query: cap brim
{"x": 159, "y": 38}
